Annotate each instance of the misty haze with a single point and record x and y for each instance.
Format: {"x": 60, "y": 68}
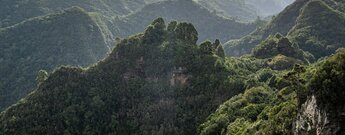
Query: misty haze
{"x": 172, "y": 67}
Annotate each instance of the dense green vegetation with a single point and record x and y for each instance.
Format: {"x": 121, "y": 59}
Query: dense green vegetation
{"x": 271, "y": 107}
{"x": 155, "y": 82}
{"x": 306, "y": 23}
{"x": 161, "y": 82}
{"x": 281, "y": 23}
{"x": 313, "y": 32}
{"x": 170, "y": 79}
{"x": 275, "y": 45}
{"x": 281, "y": 53}
{"x": 67, "y": 38}
{"x": 328, "y": 83}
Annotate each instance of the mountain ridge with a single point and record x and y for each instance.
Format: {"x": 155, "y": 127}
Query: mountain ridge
{"x": 23, "y": 56}
{"x": 188, "y": 11}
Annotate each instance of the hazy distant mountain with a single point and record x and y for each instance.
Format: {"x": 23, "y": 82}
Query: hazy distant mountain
{"x": 67, "y": 38}
{"x": 140, "y": 14}
{"x": 245, "y": 10}
{"x": 237, "y": 9}
{"x": 268, "y": 7}
{"x": 15, "y": 11}
{"x": 209, "y": 25}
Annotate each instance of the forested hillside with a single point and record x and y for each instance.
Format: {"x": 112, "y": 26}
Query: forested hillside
{"x": 156, "y": 82}
{"x": 161, "y": 82}
{"x": 304, "y": 23}
{"x": 158, "y": 67}
{"x": 308, "y": 99}
{"x": 315, "y": 35}
{"x": 67, "y": 38}
{"x": 90, "y": 27}
{"x": 282, "y": 23}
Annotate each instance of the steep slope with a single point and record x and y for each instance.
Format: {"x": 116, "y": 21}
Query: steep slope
{"x": 245, "y": 10}
{"x": 268, "y": 7}
{"x": 282, "y": 23}
{"x": 156, "y": 82}
{"x": 230, "y": 9}
{"x": 319, "y": 29}
{"x": 209, "y": 25}
{"x": 336, "y": 4}
{"x": 15, "y": 11}
{"x": 305, "y": 22}
{"x": 112, "y": 15}
{"x": 306, "y": 100}
{"x": 70, "y": 37}
{"x": 322, "y": 109}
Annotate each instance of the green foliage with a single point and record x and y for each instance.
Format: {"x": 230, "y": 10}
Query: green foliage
{"x": 328, "y": 82}
{"x": 70, "y": 37}
{"x": 272, "y": 107}
{"x": 269, "y": 107}
{"x": 259, "y": 110}
{"x": 131, "y": 91}
{"x": 206, "y": 47}
{"x": 281, "y": 62}
{"x": 220, "y": 51}
{"x": 154, "y": 32}
{"x": 282, "y": 23}
{"x": 234, "y": 116}
{"x": 319, "y": 29}
{"x": 187, "y": 33}
{"x": 315, "y": 26}
{"x": 280, "y": 53}
{"x": 161, "y": 81}
{"x": 275, "y": 45}
{"x": 42, "y": 76}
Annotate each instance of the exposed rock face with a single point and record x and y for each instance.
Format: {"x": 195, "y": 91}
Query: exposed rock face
{"x": 179, "y": 77}
{"x": 313, "y": 120}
